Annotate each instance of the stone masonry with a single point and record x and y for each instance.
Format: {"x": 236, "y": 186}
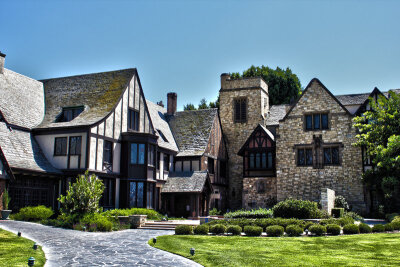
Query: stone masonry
{"x": 306, "y": 182}
{"x": 259, "y": 192}
{"x": 255, "y": 90}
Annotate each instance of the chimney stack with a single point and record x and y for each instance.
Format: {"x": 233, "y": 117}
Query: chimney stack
{"x": 171, "y": 103}
{"x": 2, "y": 60}
{"x": 224, "y": 77}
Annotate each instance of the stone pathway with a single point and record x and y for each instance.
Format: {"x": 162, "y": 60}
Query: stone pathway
{"x": 74, "y": 248}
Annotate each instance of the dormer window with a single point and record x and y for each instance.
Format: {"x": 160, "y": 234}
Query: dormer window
{"x": 70, "y": 113}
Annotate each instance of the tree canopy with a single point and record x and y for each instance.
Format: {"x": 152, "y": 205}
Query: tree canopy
{"x": 283, "y": 85}
{"x": 202, "y": 105}
{"x": 379, "y": 135}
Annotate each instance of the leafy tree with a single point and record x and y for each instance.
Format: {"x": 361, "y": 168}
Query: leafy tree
{"x": 379, "y": 135}
{"x": 203, "y": 104}
{"x": 83, "y": 196}
{"x": 283, "y": 85}
{"x": 189, "y": 106}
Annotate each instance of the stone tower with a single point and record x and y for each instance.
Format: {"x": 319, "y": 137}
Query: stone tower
{"x": 244, "y": 104}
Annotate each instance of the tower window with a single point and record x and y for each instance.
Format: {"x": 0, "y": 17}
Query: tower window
{"x": 240, "y": 106}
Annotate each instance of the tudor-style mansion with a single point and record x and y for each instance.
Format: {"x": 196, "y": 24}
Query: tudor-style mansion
{"x": 246, "y": 154}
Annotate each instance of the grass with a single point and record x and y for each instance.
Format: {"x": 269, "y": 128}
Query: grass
{"x": 355, "y": 250}
{"x": 15, "y": 251}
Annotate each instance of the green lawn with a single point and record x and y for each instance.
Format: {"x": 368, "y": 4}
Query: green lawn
{"x": 350, "y": 250}
{"x": 15, "y": 251}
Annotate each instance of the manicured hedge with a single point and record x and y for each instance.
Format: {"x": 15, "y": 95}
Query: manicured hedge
{"x": 293, "y": 230}
{"x": 275, "y": 230}
{"x": 364, "y": 228}
{"x": 251, "y": 214}
{"x": 295, "y": 208}
{"x": 263, "y": 223}
{"x": 333, "y": 229}
{"x": 396, "y": 225}
{"x": 184, "y": 230}
{"x": 96, "y": 222}
{"x": 389, "y": 227}
{"x": 253, "y": 230}
{"x": 378, "y": 228}
{"x": 317, "y": 229}
{"x": 218, "y": 229}
{"x": 33, "y": 214}
{"x": 201, "y": 230}
{"x": 307, "y": 225}
{"x": 350, "y": 229}
{"x": 151, "y": 214}
{"x": 234, "y": 229}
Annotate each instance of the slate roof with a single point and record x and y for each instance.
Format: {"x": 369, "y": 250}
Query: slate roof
{"x": 157, "y": 115}
{"x": 192, "y": 130}
{"x": 353, "y": 99}
{"x": 97, "y": 92}
{"x": 185, "y": 182}
{"x": 21, "y": 99}
{"x": 276, "y": 113}
{"x": 22, "y": 151}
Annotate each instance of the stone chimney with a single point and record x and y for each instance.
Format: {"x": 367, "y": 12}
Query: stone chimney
{"x": 224, "y": 78}
{"x": 2, "y": 60}
{"x": 171, "y": 103}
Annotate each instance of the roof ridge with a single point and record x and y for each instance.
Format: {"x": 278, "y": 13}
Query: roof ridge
{"x": 203, "y": 109}
{"x": 30, "y": 78}
{"x": 86, "y": 74}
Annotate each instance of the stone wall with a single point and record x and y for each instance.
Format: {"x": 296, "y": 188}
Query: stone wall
{"x": 307, "y": 182}
{"x": 255, "y": 91}
{"x": 259, "y": 192}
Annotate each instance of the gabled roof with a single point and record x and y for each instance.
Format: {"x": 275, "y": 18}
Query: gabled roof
{"x": 22, "y": 151}
{"x": 21, "y": 99}
{"x": 157, "y": 115}
{"x": 186, "y": 182}
{"x": 192, "y": 129}
{"x": 258, "y": 128}
{"x": 315, "y": 80}
{"x": 275, "y": 114}
{"x": 98, "y": 93}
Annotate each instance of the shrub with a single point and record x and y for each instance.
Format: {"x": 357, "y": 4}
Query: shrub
{"x": 253, "y": 230}
{"x": 389, "y": 227}
{"x": 364, "y": 228}
{"x": 345, "y": 220}
{"x": 258, "y": 213}
{"x": 340, "y": 202}
{"x": 396, "y": 219}
{"x": 6, "y": 199}
{"x": 201, "y": 230}
{"x": 33, "y": 214}
{"x": 214, "y": 211}
{"x": 184, "y": 230}
{"x": 83, "y": 196}
{"x": 353, "y": 215}
{"x": 308, "y": 224}
{"x": 293, "y": 208}
{"x": 151, "y": 214}
{"x": 317, "y": 229}
{"x": 275, "y": 230}
{"x": 350, "y": 229}
{"x": 396, "y": 225}
{"x": 329, "y": 221}
{"x": 390, "y": 217}
{"x": 96, "y": 222}
{"x": 378, "y": 228}
{"x": 294, "y": 230}
{"x": 218, "y": 229}
{"x": 337, "y": 212}
{"x": 234, "y": 230}
{"x": 333, "y": 229}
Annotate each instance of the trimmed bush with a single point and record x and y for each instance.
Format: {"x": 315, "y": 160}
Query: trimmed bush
{"x": 333, "y": 229}
{"x": 353, "y": 215}
{"x": 218, "y": 229}
{"x": 253, "y": 214}
{"x": 293, "y": 208}
{"x": 275, "y": 230}
{"x": 253, "y": 230}
{"x": 378, "y": 228}
{"x": 201, "y": 230}
{"x": 317, "y": 229}
{"x": 329, "y": 221}
{"x": 33, "y": 214}
{"x": 389, "y": 227}
{"x": 234, "y": 230}
{"x": 396, "y": 225}
{"x": 345, "y": 220}
{"x": 337, "y": 212}
{"x": 350, "y": 229}
{"x": 151, "y": 214}
{"x": 307, "y": 225}
{"x": 364, "y": 228}
{"x": 96, "y": 222}
{"x": 396, "y": 219}
{"x": 390, "y": 217}
{"x": 294, "y": 230}
{"x": 184, "y": 230}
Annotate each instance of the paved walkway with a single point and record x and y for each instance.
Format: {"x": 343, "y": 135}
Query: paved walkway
{"x": 74, "y": 248}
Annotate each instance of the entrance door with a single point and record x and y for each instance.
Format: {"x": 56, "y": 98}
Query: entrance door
{"x": 136, "y": 194}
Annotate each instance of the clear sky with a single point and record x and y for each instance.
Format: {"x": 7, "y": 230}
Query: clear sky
{"x": 184, "y": 46}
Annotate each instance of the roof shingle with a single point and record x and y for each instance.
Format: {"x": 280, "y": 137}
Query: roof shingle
{"x": 185, "y": 182}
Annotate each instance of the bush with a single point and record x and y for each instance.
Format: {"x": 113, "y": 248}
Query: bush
{"x": 218, "y": 229}
{"x": 293, "y": 208}
{"x": 353, "y": 215}
{"x": 258, "y": 213}
{"x": 33, "y": 214}
{"x": 345, "y": 220}
{"x": 340, "y": 202}
{"x": 151, "y": 214}
{"x": 333, "y": 229}
{"x": 364, "y": 228}
{"x": 396, "y": 219}
{"x": 275, "y": 230}
{"x": 317, "y": 229}
{"x": 184, "y": 230}
{"x": 234, "y": 230}
{"x": 390, "y": 217}
{"x": 329, "y": 221}
{"x": 389, "y": 227}
{"x": 308, "y": 225}
{"x": 396, "y": 225}
{"x": 83, "y": 196}
{"x": 214, "y": 211}
{"x": 293, "y": 230}
{"x": 350, "y": 229}
{"x": 253, "y": 230}
{"x": 6, "y": 199}
{"x": 201, "y": 230}
{"x": 96, "y": 222}
{"x": 378, "y": 228}
{"x": 338, "y": 212}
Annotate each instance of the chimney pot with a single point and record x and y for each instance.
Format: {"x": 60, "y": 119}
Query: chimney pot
{"x": 2, "y": 60}
{"x": 160, "y": 103}
{"x": 171, "y": 103}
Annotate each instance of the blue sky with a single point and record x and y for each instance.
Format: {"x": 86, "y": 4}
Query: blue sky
{"x": 184, "y": 46}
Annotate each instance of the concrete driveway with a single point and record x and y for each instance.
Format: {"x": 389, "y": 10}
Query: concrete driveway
{"x": 74, "y": 248}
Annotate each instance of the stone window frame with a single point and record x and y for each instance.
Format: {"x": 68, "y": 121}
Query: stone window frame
{"x": 305, "y": 148}
{"x": 320, "y": 113}
{"x": 318, "y": 154}
{"x": 325, "y": 146}
{"x": 240, "y": 120}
